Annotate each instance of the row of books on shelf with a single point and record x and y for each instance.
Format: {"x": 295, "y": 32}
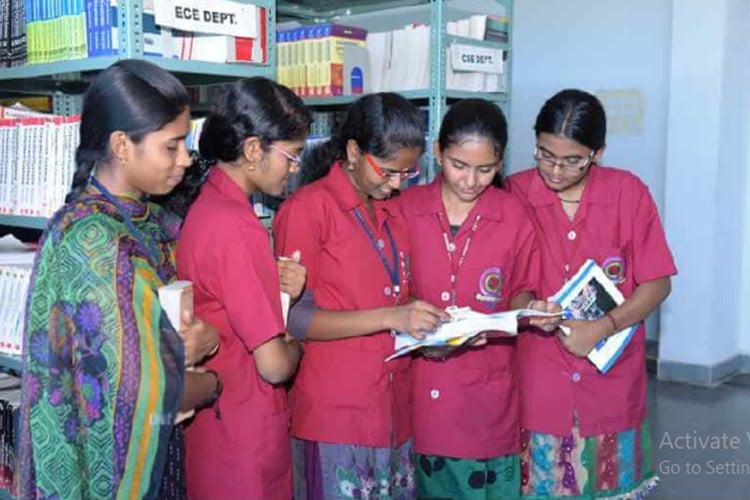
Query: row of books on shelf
{"x": 43, "y": 31}
{"x": 333, "y": 59}
{"x": 10, "y": 403}
{"x": 16, "y": 262}
{"x": 14, "y": 287}
{"x": 12, "y": 32}
{"x": 317, "y": 60}
{"x": 10, "y": 391}
{"x": 477, "y": 27}
{"x": 37, "y": 161}
{"x": 161, "y": 41}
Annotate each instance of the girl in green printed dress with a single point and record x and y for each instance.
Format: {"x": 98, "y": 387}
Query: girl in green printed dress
{"x": 104, "y": 370}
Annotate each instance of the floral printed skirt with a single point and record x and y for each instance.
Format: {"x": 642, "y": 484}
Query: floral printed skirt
{"x": 334, "y": 471}
{"x": 614, "y": 465}
{"x": 449, "y": 478}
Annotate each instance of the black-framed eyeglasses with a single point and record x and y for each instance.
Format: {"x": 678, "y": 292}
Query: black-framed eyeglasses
{"x": 293, "y": 159}
{"x": 568, "y": 163}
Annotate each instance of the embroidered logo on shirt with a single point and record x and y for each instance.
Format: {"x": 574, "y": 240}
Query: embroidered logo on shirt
{"x": 614, "y": 268}
{"x": 490, "y": 286}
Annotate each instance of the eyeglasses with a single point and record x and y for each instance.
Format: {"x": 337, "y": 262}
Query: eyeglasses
{"x": 412, "y": 173}
{"x": 568, "y": 163}
{"x": 294, "y": 160}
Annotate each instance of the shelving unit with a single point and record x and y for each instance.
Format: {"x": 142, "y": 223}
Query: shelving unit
{"x": 9, "y": 362}
{"x": 130, "y": 29}
{"x": 437, "y": 97}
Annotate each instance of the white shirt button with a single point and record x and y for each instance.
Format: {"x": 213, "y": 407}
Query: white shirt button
{"x": 387, "y": 291}
{"x": 575, "y": 377}
{"x": 445, "y": 296}
{"x": 572, "y": 235}
{"x": 567, "y": 268}
{"x": 381, "y": 244}
{"x": 451, "y": 247}
{"x": 434, "y": 394}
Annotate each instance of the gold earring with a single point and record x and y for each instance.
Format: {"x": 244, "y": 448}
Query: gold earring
{"x": 250, "y": 165}
{"x": 350, "y": 167}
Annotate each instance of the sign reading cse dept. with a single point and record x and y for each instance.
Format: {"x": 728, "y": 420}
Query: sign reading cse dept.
{"x": 220, "y": 17}
{"x": 479, "y": 59}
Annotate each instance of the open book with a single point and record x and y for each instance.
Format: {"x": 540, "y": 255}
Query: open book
{"x": 589, "y": 295}
{"x": 464, "y": 325}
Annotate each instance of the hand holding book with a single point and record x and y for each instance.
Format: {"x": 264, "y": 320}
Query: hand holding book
{"x": 292, "y": 275}
{"x": 464, "y": 326}
{"x": 583, "y": 335}
{"x": 587, "y": 298}
{"x": 201, "y": 339}
{"x": 546, "y": 323}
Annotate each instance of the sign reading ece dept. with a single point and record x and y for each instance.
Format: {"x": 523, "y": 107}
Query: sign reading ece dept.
{"x": 220, "y": 17}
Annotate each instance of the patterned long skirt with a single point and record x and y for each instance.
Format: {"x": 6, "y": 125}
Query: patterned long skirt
{"x": 614, "y": 465}
{"x": 453, "y": 478}
{"x": 324, "y": 471}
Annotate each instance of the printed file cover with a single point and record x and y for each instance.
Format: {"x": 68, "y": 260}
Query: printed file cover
{"x": 589, "y": 295}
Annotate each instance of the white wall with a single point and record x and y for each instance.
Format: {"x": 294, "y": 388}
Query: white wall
{"x": 608, "y": 47}
{"x": 594, "y": 45}
{"x": 739, "y": 133}
{"x": 704, "y": 321}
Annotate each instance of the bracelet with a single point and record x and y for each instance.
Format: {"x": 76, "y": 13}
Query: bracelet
{"x": 611, "y": 320}
{"x": 218, "y": 389}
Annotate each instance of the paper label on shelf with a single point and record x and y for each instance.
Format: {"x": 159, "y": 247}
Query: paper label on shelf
{"x": 220, "y": 17}
{"x": 478, "y": 59}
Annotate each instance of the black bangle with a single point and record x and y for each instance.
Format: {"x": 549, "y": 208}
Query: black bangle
{"x": 218, "y": 388}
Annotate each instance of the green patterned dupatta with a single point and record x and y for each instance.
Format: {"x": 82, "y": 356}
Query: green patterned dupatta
{"x": 103, "y": 368}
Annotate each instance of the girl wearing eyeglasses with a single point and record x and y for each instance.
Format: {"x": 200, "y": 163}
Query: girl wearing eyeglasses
{"x": 473, "y": 245}
{"x": 351, "y": 419}
{"x": 585, "y": 433}
{"x": 249, "y": 143}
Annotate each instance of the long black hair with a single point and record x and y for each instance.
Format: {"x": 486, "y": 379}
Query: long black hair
{"x": 576, "y": 115}
{"x": 380, "y": 124}
{"x": 250, "y": 107}
{"x": 475, "y": 118}
{"x": 132, "y": 96}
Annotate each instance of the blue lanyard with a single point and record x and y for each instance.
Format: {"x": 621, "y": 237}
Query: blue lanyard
{"x": 392, "y": 271}
{"x": 149, "y": 245}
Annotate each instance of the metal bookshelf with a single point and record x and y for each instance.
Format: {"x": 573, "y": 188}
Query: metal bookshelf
{"x": 23, "y": 221}
{"x": 438, "y": 97}
{"x": 130, "y": 29}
